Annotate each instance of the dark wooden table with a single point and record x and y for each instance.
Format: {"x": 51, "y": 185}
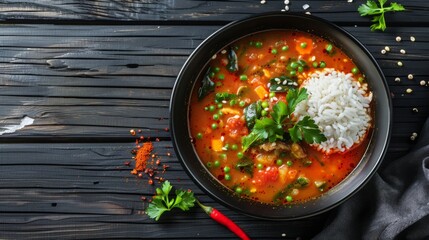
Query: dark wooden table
{"x": 87, "y": 72}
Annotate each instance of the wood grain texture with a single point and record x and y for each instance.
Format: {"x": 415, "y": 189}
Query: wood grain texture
{"x": 192, "y": 11}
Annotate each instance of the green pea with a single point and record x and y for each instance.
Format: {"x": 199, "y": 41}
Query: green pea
{"x": 217, "y": 163}
{"x": 300, "y": 69}
{"x": 240, "y": 155}
{"x": 220, "y": 105}
{"x": 232, "y": 102}
{"x": 329, "y": 48}
{"x": 216, "y": 69}
{"x": 226, "y": 169}
{"x": 222, "y": 156}
{"x": 292, "y": 73}
{"x": 209, "y": 164}
{"x": 289, "y": 163}
{"x": 360, "y": 79}
{"x": 220, "y": 113}
{"x": 315, "y": 64}
{"x": 227, "y": 177}
{"x": 264, "y": 104}
{"x": 322, "y": 64}
{"x": 274, "y": 51}
{"x": 242, "y": 103}
{"x": 259, "y": 166}
{"x": 199, "y": 135}
{"x": 303, "y": 45}
{"x": 215, "y": 116}
{"x": 238, "y": 190}
{"x": 272, "y": 94}
{"x": 234, "y": 147}
{"x": 243, "y": 77}
{"x": 258, "y": 44}
{"x": 279, "y": 162}
{"x": 294, "y": 65}
{"x": 355, "y": 70}
{"x": 211, "y": 74}
{"x": 211, "y": 108}
{"x": 285, "y": 48}
{"x": 264, "y": 113}
{"x": 289, "y": 198}
{"x": 220, "y": 76}
{"x": 214, "y": 126}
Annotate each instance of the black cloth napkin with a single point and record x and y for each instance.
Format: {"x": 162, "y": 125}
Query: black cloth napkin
{"x": 393, "y": 205}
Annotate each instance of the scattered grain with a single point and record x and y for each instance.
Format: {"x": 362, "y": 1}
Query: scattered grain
{"x": 308, "y": 13}
{"x": 286, "y": 2}
{"x": 415, "y": 110}
{"x": 409, "y": 90}
{"x": 412, "y": 39}
{"x": 402, "y": 51}
{"x": 263, "y": 1}
{"x": 387, "y": 48}
{"x": 286, "y": 8}
{"x": 410, "y": 76}
{"x": 383, "y": 51}
{"x": 400, "y": 63}
{"x": 398, "y": 39}
{"x": 305, "y": 6}
{"x": 422, "y": 82}
{"x": 397, "y": 79}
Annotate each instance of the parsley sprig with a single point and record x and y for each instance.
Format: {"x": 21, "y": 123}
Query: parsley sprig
{"x": 163, "y": 201}
{"x": 371, "y": 8}
{"x": 273, "y": 128}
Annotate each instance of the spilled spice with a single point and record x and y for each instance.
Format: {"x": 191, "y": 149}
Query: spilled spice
{"x": 142, "y": 156}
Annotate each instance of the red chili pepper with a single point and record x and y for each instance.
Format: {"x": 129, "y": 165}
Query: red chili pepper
{"x": 224, "y": 220}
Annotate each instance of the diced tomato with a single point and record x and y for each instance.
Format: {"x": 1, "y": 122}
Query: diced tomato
{"x": 267, "y": 175}
{"x": 236, "y": 127}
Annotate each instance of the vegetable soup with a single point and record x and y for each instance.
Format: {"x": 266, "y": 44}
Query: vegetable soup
{"x": 247, "y": 121}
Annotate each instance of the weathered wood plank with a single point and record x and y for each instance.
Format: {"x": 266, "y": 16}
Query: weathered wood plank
{"x": 165, "y": 10}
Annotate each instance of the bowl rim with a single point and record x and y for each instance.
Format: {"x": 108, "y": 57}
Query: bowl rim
{"x": 385, "y": 137}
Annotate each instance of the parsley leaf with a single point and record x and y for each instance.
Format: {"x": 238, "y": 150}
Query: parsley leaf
{"x": 371, "y": 8}
{"x": 308, "y": 130}
{"x": 294, "y": 97}
{"x": 162, "y": 203}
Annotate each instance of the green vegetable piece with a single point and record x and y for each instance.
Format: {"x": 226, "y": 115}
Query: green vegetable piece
{"x": 302, "y": 181}
{"x": 282, "y": 84}
{"x": 232, "y": 65}
{"x": 274, "y": 51}
{"x": 162, "y": 202}
{"x": 251, "y": 113}
{"x": 322, "y": 64}
{"x": 294, "y": 97}
{"x": 285, "y": 48}
{"x": 226, "y": 169}
{"x": 289, "y": 198}
{"x": 217, "y": 163}
{"x": 328, "y": 48}
{"x": 238, "y": 190}
{"x": 227, "y": 177}
{"x": 355, "y": 70}
{"x": 207, "y": 86}
{"x": 289, "y": 163}
{"x": 243, "y": 77}
{"x": 214, "y": 126}
{"x": 245, "y": 164}
{"x": 279, "y": 162}
{"x": 221, "y": 96}
{"x": 377, "y": 12}
{"x": 321, "y": 185}
{"x": 260, "y": 166}
{"x": 306, "y": 130}
{"x": 258, "y": 44}
{"x": 199, "y": 135}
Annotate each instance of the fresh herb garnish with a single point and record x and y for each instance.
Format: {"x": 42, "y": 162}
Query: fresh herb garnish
{"x": 272, "y": 128}
{"x": 371, "y": 8}
{"x": 163, "y": 202}
{"x": 307, "y": 130}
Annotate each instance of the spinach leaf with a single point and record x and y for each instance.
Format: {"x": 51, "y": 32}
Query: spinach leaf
{"x": 207, "y": 85}
{"x": 251, "y": 113}
{"x": 232, "y": 65}
{"x": 246, "y": 165}
{"x": 282, "y": 84}
{"x": 221, "y": 96}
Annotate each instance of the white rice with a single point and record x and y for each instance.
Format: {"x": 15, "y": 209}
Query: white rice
{"x": 339, "y": 105}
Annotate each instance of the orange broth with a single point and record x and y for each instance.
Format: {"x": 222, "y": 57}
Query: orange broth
{"x": 217, "y": 128}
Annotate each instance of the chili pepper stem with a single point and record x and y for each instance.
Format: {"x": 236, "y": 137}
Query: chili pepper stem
{"x": 206, "y": 209}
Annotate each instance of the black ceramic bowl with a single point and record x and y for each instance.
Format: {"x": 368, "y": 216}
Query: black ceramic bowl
{"x": 196, "y": 66}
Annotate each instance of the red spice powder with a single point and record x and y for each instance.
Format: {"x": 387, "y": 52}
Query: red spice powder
{"x": 142, "y": 155}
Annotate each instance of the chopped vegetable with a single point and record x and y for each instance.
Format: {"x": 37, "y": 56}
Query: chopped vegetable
{"x": 207, "y": 86}
{"x": 307, "y": 130}
{"x": 262, "y": 93}
{"x": 371, "y": 8}
{"x": 217, "y": 145}
{"x": 232, "y": 65}
{"x": 221, "y": 96}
